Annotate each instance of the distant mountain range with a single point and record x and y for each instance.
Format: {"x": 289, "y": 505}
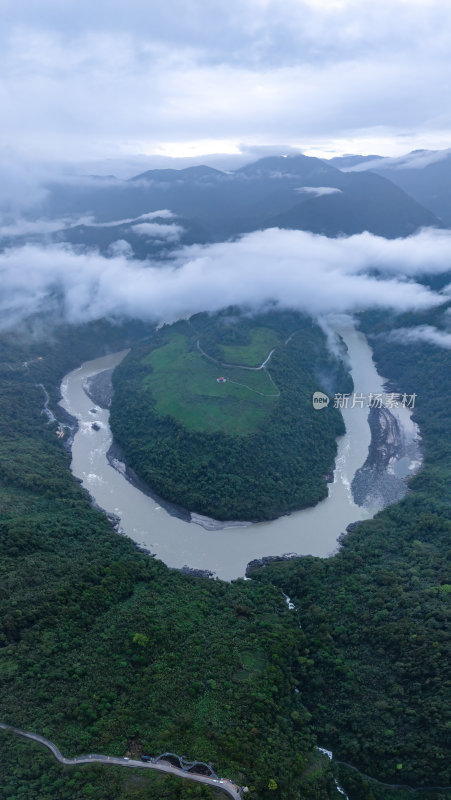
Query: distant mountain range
{"x": 424, "y": 174}
{"x": 341, "y": 196}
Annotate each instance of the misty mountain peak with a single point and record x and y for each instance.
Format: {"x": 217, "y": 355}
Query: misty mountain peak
{"x": 295, "y": 166}
{"x": 185, "y": 175}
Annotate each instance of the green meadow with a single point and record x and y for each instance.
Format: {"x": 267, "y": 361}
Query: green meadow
{"x": 253, "y": 354}
{"x": 184, "y": 385}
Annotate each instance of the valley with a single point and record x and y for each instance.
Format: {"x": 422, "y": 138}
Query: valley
{"x": 155, "y": 641}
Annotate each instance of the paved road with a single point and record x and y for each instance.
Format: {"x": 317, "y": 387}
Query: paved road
{"x": 161, "y": 766}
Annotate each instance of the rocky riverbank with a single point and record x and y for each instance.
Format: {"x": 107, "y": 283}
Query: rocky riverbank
{"x": 376, "y": 483}
{"x": 211, "y": 524}
{"x": 99, "y": 388}
{"x": 257, "y": 563}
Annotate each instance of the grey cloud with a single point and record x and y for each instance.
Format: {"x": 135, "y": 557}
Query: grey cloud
{"x": 269, "y": 31}
{"x": 87, "y": 81}
{"x": 223, "y": 102}
{"x": 293, "y": 269}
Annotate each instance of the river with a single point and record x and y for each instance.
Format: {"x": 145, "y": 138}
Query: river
{"x": 226, "y": 552}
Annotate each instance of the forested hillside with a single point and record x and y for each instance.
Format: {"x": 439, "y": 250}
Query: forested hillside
{"x": 375, "y": 617}
{"x": 103, "y": 649}
{"x": 250, "y": 448}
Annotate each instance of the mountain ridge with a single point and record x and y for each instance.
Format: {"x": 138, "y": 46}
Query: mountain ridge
{"x": 216, "y": 205}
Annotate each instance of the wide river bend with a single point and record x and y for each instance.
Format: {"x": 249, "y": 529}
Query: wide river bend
{"x": 226, "y": 552}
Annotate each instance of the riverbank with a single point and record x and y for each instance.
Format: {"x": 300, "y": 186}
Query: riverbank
{"x": 377, "y": 482}
{"x": 115, "y": 458}
{"x": 99, "y": 388}
{"x": 257, "y": 563}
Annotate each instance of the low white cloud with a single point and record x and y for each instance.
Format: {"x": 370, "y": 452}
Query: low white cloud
{"x": 121, "y": 248}
{"x": 416, "y": 160}
{"x": 164, "y": 213}
{"x": 426, "y": 253}
{"x": 38, "y": 227}
{"x": 318, "y": 191}
{"x": 422, "y": 333}
{"x": 153, "y": 230}
{"x": 292, "y": 269}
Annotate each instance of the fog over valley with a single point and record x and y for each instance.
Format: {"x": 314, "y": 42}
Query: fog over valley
{"x": 293, "y": 269}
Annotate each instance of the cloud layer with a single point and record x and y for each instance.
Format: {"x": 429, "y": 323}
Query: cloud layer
{"x": 81, "y": 80}
{"x": 293, "y": 269}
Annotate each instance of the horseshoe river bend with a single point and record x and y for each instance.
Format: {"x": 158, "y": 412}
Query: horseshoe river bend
{"x": 226, "y": 550}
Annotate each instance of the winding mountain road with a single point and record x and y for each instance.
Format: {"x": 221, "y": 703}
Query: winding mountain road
{"x": 227, "y": 786}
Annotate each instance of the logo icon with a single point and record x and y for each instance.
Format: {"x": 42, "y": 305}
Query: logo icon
{"x": 320, "y": 400}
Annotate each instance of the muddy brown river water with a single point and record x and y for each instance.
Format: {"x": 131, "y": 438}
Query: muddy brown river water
{"x": 226, "y": 552}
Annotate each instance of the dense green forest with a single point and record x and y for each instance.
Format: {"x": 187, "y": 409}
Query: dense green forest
{"x": 195, "y": 442}
{"x": 375, "y": 617}
{"x": 103, "y": 649}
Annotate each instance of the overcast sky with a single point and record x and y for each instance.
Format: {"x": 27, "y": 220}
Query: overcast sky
{"x": 91, "y": 80}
